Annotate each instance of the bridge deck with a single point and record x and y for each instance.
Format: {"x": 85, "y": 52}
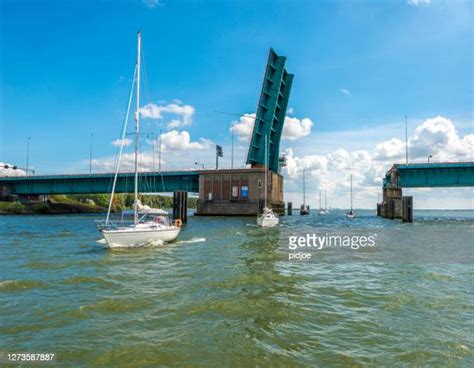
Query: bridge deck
{"x": 426, "y": 175}
{"x": 149, "y": 182}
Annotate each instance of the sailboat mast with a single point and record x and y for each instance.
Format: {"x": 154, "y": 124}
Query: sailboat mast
{"x": 351, "y": 192}
{"x": 325, "y": 200}
{"x": 320, "y": 206}
{"x": 304, "y": 187}
{"x": 137, "y": 129}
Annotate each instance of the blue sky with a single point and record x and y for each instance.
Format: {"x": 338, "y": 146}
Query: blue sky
{"x": 359, "y": 66}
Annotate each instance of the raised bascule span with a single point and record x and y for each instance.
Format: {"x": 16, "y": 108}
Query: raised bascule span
{"x": 221, "y": 192}
{"x": 271, "y": 113}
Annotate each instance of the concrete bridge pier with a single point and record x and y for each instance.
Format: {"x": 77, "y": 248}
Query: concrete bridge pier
{"x": 396, "y": 207}
{"x": 290, "y": 209}
{"x": 407, "y": 209}
{"x": 391, "y": 206}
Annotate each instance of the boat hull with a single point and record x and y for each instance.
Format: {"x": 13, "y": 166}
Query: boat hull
{"x": 138, "y": 237}
{"x": 267, "y": 222}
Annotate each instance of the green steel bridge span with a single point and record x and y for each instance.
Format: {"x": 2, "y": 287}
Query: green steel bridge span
{"x": 459, "y": 174}
{"x": 149, "y": 182}
{"x": 430, "y": 175}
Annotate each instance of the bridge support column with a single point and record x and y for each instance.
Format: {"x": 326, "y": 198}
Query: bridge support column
{"x": 407, "y": 212}
{"x": 180, "y": 205}
{"x": 290, "y": 209}
{"x": 391, "y": 206}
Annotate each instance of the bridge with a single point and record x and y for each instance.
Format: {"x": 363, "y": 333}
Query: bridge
{"x": 148, "y": 182}
{"x": 420, "y": 175}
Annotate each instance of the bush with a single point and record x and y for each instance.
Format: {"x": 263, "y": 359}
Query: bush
{"x": 41, "y": 208}
{"x": 15, "y": 208}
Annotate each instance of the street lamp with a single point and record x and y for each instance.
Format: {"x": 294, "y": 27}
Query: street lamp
{"x": 90, "y": 155}
{"x": 198, "y": 163}
{"x": 159, "y": 153}
{"x": 27, "y": 155}
{"x": 430, "y": 156}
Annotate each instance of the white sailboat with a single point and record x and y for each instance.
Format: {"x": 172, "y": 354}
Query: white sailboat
{"x": 304, "y": 209}
{"x": 351, "y": 213}
{"x": 326, "y": 210}
{"x": 322, "y": 211}
{"x": 147, "y": 226}
{"x": 267, "y": 218}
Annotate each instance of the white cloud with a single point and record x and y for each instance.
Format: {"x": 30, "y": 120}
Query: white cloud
{"x": 243, "y": 127}
{"x": 289, "y": 111}
{"x": 182, "y": 114}
{"x": 438, "y": 137}
{"x": 392, "y": 149}
{"x": 180, "y": 141}
{"x": 418, "y": 2}
{"x": 10, "y": 171}
{"x": 345, "y": 91}
{"x": 152, "y": 3}
{"x": 293, "y": 128}
{"x": 126, "y": 142}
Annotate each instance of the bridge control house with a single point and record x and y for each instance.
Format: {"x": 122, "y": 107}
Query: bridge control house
{"x": 238, "y": 192}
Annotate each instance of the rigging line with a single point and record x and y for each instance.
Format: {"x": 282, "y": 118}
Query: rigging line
{"x": 124, "y": 129}
{"x": 147, "y": 93}
{"x": 145, "y": 77}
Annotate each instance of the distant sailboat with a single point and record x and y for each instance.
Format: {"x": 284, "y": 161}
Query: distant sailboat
{"x": 267, "y": 218}
{"x": 326, "y": 210}
{"x": 322, "y": 212}
{"x": 351, "y": 213}
{"x": 304, "y": 210}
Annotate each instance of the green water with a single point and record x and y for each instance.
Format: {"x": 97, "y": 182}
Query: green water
{"x": 225, "y": 295}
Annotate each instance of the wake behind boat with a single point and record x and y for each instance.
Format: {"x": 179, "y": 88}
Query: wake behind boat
{"x": 148, "y": 225}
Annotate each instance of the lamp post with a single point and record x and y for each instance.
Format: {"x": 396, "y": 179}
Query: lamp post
{"x": 430, "y": 156}
{"x": 27, "y": 155}
{"x": 406, "y": 140}
{"x": 90, "y": 155}
{"x": 198, "y": 163}
{"x": 159, "y": 153}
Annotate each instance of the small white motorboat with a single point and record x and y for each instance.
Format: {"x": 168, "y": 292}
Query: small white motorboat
{"x": 268, "y": 218}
